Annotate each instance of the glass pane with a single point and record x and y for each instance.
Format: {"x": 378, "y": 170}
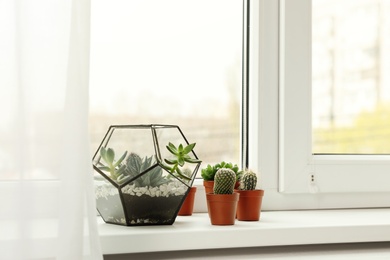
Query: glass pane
{"x": 351, "y": 83}
{"x": 169, "y": 62}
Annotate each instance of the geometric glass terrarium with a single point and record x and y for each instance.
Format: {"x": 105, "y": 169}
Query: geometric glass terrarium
{"x": 142, "y": 174}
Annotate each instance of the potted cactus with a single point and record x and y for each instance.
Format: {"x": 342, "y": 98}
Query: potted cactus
{"x": 222, "y": 203}
{"x": 209, "y": 172}
{"x": 249, "y": 205}
{"x": 141, "y": 177}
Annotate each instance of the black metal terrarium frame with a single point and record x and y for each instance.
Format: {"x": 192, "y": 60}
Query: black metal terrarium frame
{"x": 131, "y": 198}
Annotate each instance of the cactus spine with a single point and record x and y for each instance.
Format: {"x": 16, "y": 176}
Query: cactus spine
{"x": 224, "y": 181}
{"x": 248, "y": 180}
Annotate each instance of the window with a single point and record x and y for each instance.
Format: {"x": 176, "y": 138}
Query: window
{"x": 350, "y": 57}
{"x": 173, "y": 62}
{"x": 332, "y": 180}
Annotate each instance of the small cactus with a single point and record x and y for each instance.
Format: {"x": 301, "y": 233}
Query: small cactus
{"x": 209, "y": 172}
{"x": 224, "y": 181}
{"x": 248, "y": 180}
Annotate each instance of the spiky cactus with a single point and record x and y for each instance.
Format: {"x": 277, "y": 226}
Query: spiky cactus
{"x": 248, "y": 180}
{"x": 224, "y": 181}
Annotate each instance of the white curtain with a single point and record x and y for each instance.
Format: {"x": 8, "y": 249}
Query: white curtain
{"x": 47, "y": 207}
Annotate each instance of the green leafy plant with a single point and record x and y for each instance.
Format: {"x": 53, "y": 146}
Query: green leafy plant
{"x": 123, "y": 170}
{"x": 209, "y": 172}
{"x": 136, "y": 165}
{"x": 224, "y": 181}
{"x": 115, "y": 168}
{"x": 181, "y": 156}
{"x": 248, "y": 180}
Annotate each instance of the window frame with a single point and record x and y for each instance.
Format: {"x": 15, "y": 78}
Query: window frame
{"x": 280, "y": 123}
{"x": 264, "y": 147}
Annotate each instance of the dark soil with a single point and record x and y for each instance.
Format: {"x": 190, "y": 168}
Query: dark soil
{"x": 147, "y": 210}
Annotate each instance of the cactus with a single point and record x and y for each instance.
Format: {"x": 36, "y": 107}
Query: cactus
{"x": 224, "y": 181}
{"x": 209, "y": 172}
{"x": 248, "y": 180}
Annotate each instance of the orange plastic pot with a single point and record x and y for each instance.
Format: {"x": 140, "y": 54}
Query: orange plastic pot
{"x": 222, "y": 208}
{"x": 249, "y": 205}
{"x": 188, "y": 205}
{"x": 208, "y": 186}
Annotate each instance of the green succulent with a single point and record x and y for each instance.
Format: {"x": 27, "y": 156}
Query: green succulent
{"x": 115, "y": 168}
{"x": 182, "y": 156}
{"x": 248, "y": 180}
{"x": 135, "y": 165}
{"x": 224, "y": 181}
{"x": 208, "y": 173}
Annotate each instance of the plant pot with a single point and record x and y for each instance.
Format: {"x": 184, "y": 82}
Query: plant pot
{"x": 222, "y": 208}
{"x": 208, "y": 186}
{"x": 188, "y": 204}
{"x": 249, "y": 205}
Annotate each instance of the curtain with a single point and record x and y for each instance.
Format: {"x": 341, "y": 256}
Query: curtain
{"x": 47, "y": 206}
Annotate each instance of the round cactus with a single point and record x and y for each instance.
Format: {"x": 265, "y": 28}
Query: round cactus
{"x": 224, "y": 181}
{"x": 248, "y": 180}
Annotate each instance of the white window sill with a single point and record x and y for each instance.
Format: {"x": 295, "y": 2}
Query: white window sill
{"x": 277, "y": 228}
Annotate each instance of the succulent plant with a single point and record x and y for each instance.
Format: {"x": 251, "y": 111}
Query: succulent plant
{"x": 224, "y": 181}
{"x": 182, "y": 156}
{"x": 209, "y": 172}
{"x": 115, "y": 168}
{"x": 248, "y": 180}
{"x": 135, "y": 165}
{"x": 123, "y": 170}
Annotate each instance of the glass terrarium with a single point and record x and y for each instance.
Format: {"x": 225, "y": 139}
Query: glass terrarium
{"x": 142, "y": 174}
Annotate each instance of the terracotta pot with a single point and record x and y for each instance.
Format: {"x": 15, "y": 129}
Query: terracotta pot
{"x": 188, "y": 205}
{"x": 208, "y": 186}
{"x": 249, "y": 205}
{"x": 222, "y": 208}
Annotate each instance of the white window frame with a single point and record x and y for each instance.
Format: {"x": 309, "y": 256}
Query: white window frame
{"x": 280, "y": 133}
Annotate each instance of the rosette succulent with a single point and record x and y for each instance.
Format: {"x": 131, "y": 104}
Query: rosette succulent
{"x": 181, "y": 156}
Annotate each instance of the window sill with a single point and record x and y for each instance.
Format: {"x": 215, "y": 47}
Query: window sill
{"x": 276, "y": 228}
